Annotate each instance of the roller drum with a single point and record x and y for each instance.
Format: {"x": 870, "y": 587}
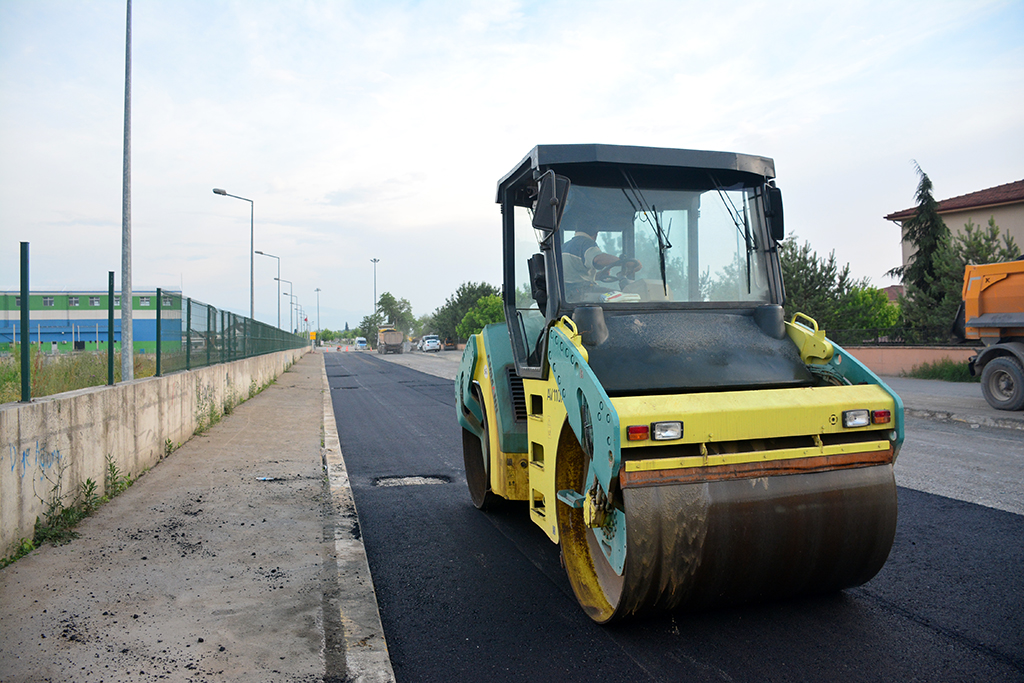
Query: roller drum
{"x": 720, "y": 542}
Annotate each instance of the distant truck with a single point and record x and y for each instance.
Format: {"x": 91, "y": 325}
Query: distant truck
{"x": 389, "y": 339}
{"x": 992, "y": 312}
{"x": 361, "y": 343}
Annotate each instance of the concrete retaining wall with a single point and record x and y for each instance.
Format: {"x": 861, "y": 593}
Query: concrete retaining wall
{"x": 68, "y": 437}
{"x": 896, "y": 360}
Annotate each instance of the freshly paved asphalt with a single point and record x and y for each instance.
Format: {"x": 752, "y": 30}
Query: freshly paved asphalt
{"x": 466, "y": 595}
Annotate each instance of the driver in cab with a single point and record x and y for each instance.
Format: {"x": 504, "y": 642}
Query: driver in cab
{"x": 584, "y": 264}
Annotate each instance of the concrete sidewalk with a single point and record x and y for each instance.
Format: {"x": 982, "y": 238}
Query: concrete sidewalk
{"x": 233, "y": 559}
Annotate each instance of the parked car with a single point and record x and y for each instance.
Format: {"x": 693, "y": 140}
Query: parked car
{"x": 430, "y": 342}
{"x": 361, "y": 344}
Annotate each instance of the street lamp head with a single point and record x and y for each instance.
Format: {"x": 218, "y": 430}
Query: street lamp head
{"x": 260, "y": 252}
{"x": 217, "y": 190}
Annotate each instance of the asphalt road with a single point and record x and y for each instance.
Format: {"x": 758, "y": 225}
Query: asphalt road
{"x": 466, "y": 595}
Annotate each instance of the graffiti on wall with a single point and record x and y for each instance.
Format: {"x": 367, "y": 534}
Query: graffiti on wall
{"x": 38, "y": 459}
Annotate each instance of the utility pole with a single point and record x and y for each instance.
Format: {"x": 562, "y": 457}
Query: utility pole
{"x": 127, "y": 342}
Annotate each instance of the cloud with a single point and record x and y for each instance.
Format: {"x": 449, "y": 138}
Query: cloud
{"x": 379, "y": 130}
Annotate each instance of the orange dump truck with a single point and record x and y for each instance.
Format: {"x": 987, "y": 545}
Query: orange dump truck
{"x": 993, "y": 313}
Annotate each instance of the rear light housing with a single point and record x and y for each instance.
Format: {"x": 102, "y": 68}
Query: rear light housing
{"x": 637, "y": 433}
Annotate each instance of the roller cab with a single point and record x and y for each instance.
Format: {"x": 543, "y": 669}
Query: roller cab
{"x": 683, "y": 440}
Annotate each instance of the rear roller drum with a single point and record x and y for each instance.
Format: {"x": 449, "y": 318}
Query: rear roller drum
{"x": 697, "y": 544}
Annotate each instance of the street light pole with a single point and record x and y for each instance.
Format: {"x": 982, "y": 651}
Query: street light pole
{"x": 375, "y": 261}
{"x": 278, "y": 278}
{"x": 252, "y": 259}
{"x": 318, "y": 314}
{"x": 279, "y": 281}
{"x": 127, "y": 328}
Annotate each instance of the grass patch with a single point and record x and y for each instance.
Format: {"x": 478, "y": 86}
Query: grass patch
{"x": 57, "y": 373}
{"x": 947, "y": 370}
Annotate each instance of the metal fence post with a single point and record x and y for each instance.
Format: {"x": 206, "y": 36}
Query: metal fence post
{"x": 110, "y": 328}
{"x": 188, "y": 334}
{"x": 209, "y": 338}
{"x": 26, "y": 364}
{"x": 159, "y": 346}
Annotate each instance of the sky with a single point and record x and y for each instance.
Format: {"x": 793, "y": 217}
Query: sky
{"x": 366, "y": 130}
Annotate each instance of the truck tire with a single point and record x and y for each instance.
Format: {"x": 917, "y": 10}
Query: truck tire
{"x": 1002, "y": 383}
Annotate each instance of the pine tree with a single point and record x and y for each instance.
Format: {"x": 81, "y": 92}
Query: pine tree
{"x": 932, "y": 273}
{"x": 977, "y": 245}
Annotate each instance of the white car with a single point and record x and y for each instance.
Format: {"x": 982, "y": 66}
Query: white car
{"x": 431, "y": 342}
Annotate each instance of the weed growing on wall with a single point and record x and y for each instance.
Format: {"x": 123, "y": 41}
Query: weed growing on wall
{"x": 206, "y": 408}
{"x": 56, "y": 526}
{"x": 114, "y": 481}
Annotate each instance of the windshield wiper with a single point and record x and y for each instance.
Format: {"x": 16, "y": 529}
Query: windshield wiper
{"x": 742, "y": 225}
{"x": 649, "y": 214}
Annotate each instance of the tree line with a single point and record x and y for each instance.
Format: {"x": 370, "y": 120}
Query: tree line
{"x": 851, "y": 310}
{"x": 472, "y": 306}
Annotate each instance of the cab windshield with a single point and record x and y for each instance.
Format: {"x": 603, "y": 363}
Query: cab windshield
{"x": 664, "y": 245}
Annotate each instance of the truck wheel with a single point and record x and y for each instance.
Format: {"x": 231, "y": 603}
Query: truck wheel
{"x": 1002, "y": 383}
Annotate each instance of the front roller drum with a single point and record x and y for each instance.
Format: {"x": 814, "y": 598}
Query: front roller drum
{"x": 698, "y": 544}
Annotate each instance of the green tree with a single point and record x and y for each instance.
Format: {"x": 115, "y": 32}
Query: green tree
{"x": 977, "y": 245}
{"x": 424, "y": 325}
{"x": 488, "y": 309}
{"x": 866, "y": 308}
{"x": 398, "y": 312}
{"x": 369, "y": 327}
{"x": 932, "y": 273}
{"x": 820, "y": 288}
{"x": 448, "y": 316}
{"x": 815, "y": 286}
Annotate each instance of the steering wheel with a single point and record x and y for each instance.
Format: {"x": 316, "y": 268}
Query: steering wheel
{"x": 628, "y": 269}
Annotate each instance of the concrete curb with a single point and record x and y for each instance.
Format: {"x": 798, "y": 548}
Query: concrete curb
{"x": 973, "y": 420}
{"x": 366, "y": 651}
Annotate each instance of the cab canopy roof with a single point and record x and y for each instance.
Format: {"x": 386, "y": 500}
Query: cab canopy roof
{"x": 658, "y": 166}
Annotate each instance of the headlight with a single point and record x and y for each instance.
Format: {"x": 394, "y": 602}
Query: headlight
{"x": 667, "y": 431}
{"x": 856, "y": 418}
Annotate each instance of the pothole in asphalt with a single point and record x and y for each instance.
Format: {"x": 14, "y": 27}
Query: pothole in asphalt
{"x": 410, "y": 481}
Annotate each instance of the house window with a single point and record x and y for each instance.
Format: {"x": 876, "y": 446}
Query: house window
{"x": 117, "y": 300}
{"x": 72, "y": 301}
{"x": 48, "y": 301}
{"x": 166, "y": 302}
{"x": 143, "y": 301}
{"x": 17, "y": 302}
{"x": 94, "y": 301}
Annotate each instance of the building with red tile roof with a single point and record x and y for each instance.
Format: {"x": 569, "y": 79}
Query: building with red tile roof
{"x": 1004, "y": 203}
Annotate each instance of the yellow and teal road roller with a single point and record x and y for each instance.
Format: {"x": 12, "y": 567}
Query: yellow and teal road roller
{"x": 682, "y": 439}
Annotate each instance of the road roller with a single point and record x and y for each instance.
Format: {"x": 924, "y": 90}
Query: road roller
{"x": 684, "y": 441}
